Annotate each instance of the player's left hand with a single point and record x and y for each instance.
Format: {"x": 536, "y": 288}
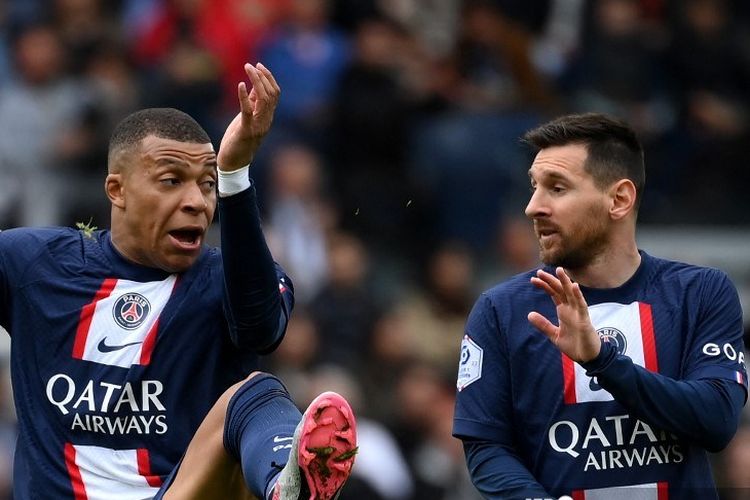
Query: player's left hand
{"x": 247, "y": 130}
{"x": 575, "y": 336}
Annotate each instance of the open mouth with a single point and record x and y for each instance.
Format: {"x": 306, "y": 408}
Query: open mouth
{"x": 188, "y": 239}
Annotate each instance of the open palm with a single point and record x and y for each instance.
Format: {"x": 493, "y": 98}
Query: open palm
{"x": 246, "y": 131}
{"x": 575, "y": 335}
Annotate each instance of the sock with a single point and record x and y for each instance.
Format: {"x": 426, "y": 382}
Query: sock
{"x": 258, "y": 431}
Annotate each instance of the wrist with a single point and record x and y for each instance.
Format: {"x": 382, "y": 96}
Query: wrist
{"x": 592, "y": 352}
{"x": 233, "y": 182}
{"x": 607, "y": 354}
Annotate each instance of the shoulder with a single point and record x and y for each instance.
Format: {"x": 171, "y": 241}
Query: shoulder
{"x": 515, "y": 289}
{"x": 691, "y": 285}
{"x": 688, "y": 275}
{"x": 507, "y": 301}
{"x": 24, "y": 247}
{"x": 24, "y": 240}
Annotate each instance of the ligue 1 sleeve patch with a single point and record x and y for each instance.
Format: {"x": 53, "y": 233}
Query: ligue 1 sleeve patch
{"x": 470, "y": 365}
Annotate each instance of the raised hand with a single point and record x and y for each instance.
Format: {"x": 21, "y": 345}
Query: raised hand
{"x": 247, "y": 130}
{"x": 575, "y": 336}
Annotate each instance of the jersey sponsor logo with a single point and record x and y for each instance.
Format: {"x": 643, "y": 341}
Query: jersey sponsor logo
{"x": 130, "y": 310}
{"x": 712, "y": 349}
{"x": 616, "y": 338}
{"x": 104, "y": 347}
{"x": 470, "y": 364}
{"x": 614, "y": 442}
{"x": 105, "y": 408}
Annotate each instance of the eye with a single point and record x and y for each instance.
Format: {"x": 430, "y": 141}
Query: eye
{"x": 170, "y": 181}
{"x": 557, "y": 189}
{"x": 209, "y": 184}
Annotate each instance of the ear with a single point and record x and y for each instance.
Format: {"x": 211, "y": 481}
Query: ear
{"x": 113, "y": 186}
{"x": 622, "y": 196}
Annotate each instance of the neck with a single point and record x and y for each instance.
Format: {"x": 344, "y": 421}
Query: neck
{"x": 120, "y": 242}
{"x": 610, "y": 269}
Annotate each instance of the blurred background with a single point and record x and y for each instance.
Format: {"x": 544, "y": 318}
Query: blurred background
{"x": 393, "y": 183}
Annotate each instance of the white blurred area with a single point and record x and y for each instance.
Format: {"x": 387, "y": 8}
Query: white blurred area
{"x": 4, "y": 343}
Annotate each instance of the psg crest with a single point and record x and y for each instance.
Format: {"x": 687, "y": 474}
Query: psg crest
{"x": 611, "y": 336}
{"x": 130, "y": 310}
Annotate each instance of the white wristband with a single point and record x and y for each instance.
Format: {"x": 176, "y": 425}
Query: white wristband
{"x": 234, "y": 182}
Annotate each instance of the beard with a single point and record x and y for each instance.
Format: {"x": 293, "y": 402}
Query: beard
{"x": 579, "y": 245}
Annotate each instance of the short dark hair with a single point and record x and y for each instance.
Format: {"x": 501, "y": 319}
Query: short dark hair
{"x": 167, "y": 123}
{"x": 614, "y": 151}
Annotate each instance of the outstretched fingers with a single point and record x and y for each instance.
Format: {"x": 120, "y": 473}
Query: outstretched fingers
{"x": 246, "y": 105}
{"x": 543, "y": 285}
{"x": 544, "y": 325}
{"x": 267, "y": 73}
{"x": 550, "y": 284}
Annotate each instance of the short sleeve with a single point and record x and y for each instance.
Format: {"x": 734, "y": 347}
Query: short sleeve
{"x": 483, "y": 399}
{"x": 717, "y": 347}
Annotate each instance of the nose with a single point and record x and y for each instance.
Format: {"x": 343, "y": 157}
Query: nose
{"x": 194, "y": 200}
{"x": 536, "y": 206}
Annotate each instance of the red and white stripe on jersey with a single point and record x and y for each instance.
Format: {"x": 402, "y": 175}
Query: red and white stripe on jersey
{"x": 635, "y": 322}
{"x": 101, "y": 473}
{"x": 99, "y": 337}
{"x": 652, "y": 491}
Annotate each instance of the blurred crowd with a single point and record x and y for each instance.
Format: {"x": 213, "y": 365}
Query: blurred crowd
{"x": 392, "y": 184}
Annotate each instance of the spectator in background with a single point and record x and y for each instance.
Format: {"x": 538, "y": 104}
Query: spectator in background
{"x": 300, "y": 217}
{"x": 307, "y": 54}
{"x": 618, "y": 69}
{"x": 710, "y": 64}
{"x": 345, "y": 309}
{"x": 516, "y": 250}
{"x": 424, "y": 398}
{"x": 83, "y": 26}
{"x": 374, "y": 110}
{"x": 296, "y": 357}
{"x": 41, "y": 111}
{"x": 495, "y": 59}
{"x": 176, "y": 53}
{"x": 227, "y": 32}
{"x": 435, "y": 313}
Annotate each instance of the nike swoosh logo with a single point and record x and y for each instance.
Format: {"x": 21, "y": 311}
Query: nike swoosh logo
{"x": 103, "y": 347}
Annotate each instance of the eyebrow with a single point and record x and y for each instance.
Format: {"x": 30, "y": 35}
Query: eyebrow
{"x": 171, "y": 162}
{"x": 552, "y": 175}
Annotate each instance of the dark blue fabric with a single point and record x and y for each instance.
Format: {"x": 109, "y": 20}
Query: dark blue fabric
{"x": 262, "y": 403}
{"x": 47, "y": 276}
{"x": 524, "y": 435}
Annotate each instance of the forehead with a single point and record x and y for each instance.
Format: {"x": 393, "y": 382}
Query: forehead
{"x": 155, "y": 148}
{"x": 563, "y": 161}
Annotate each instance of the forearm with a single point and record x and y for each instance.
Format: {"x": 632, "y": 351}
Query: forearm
{"x": 253, "y": 301}
{"x": 705, "y": 412}
{"x": 498, "y": 474}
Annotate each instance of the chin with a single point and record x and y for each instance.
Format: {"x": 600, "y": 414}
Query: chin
{"x": 178, "y": 265}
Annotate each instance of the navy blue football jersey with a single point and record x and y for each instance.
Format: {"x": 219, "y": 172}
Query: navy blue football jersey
{"x": 517, "y": 389}
{"x": 113, "y": 365}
